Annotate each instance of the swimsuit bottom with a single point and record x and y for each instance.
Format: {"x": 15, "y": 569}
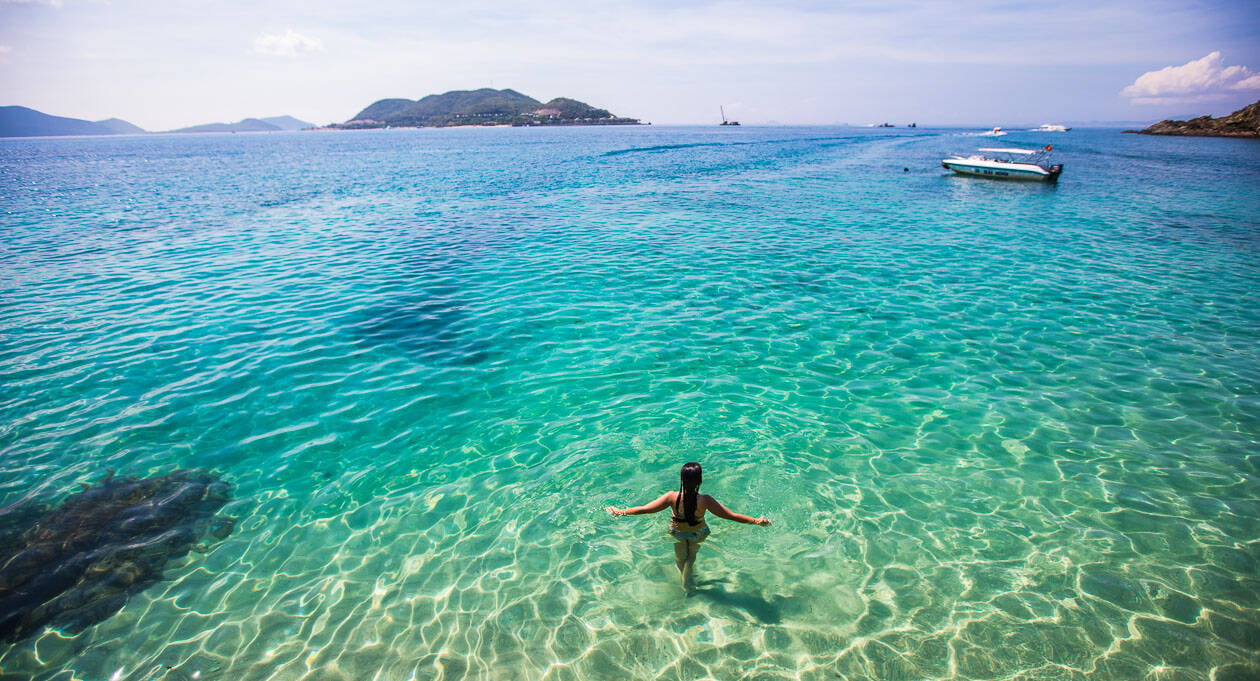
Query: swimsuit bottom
{"x": 690, "y": 536}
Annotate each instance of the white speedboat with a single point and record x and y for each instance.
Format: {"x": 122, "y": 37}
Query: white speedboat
{"x": 1007, "y": 164}
{"x": 1051, "y": 127}
{"x": 996, "y": 132}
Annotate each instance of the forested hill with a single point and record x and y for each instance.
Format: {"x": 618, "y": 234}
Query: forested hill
{"x": 481, "y": 107}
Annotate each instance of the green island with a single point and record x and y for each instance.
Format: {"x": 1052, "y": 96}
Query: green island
{"x": 1244, "y": 122}
{"x": 483, "y": 107}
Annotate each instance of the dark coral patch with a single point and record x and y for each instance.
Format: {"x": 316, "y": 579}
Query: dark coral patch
{"x": 76, "y": 564}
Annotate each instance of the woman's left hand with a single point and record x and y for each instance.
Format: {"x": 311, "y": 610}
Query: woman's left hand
{"x": 613, "y": 511}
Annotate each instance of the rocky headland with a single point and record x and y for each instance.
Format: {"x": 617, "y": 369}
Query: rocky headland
{"x": 1244, "y": 122}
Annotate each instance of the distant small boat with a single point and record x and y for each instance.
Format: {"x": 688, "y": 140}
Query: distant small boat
{"x": 1051, "y": 127}
{"x": 724, "y": 121}
{"x": 885, "y": 125}
{"x": 1007, "y": 164}
{"x": 996, "y": 132}
{"x": 912, "y": 125}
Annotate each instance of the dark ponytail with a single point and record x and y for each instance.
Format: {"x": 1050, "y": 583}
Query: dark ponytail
{"x": 689, "y": 491}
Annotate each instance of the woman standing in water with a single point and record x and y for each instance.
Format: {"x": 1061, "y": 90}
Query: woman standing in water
{"x": 687, "y": 525}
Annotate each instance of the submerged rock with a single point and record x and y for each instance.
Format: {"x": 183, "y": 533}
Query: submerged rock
{"x": 76, "y": 564}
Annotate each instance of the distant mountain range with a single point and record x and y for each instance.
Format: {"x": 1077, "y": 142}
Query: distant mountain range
{"x": 480, "y": 107}
{"x": 458, "y": 107}
{"x": 271, "y": 124}
{"x": 19, "y": 121}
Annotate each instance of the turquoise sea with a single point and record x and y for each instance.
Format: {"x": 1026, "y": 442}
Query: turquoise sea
{"x": 1004, "y": 431}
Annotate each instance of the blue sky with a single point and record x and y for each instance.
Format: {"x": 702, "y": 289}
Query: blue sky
{"x": 167, "y": 64}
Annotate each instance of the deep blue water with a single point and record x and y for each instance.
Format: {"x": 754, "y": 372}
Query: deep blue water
{"x": 1004, "y": 430}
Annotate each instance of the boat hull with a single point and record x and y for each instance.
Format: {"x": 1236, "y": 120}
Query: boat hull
{"x": 1003, "y": 171}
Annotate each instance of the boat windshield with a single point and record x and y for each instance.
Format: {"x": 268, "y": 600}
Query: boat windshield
{"x": 1017, "y": 155}
{"x": 1025, "y": 152}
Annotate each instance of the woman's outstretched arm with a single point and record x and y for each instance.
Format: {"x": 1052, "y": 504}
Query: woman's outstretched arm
{"x": 659, "y": 505}
{"x": 721, "y": 511}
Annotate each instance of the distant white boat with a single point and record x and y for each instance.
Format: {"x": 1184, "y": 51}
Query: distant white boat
{"x": 996, "y": 132}
{"x": 1007, "y": 164}
{"x": 1051, "y": 127}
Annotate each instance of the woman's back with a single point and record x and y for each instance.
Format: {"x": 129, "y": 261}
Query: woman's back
{"x": 678, "y": 504}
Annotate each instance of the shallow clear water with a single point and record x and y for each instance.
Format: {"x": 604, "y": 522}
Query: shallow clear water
{"x": 1005, "y": 431}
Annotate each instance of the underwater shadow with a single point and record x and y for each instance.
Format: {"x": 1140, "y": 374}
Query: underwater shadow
{"x": 766, "y": 611}
{"x": 431, "y": 329}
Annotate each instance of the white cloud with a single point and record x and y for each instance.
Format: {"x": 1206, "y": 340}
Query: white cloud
{"x": 1201, "y": 79}
{"x": 287, "y": 44}
{"x": 50, "y": 3}
{"x": 5, "y": 51}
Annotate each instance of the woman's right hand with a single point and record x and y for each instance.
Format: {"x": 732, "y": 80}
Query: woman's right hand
{"x": 613, "y": 511}
{"x": 761, "y": 521}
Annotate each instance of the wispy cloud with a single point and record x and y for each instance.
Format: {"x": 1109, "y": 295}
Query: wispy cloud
{"x": 5, "y": 51}
{"x": 287, "y": 44}
{"x": 1199, "y": 80}
{"x": 50, "y": 3}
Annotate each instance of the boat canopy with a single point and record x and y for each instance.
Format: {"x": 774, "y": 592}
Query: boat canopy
{"x": 1012, "y": 151}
